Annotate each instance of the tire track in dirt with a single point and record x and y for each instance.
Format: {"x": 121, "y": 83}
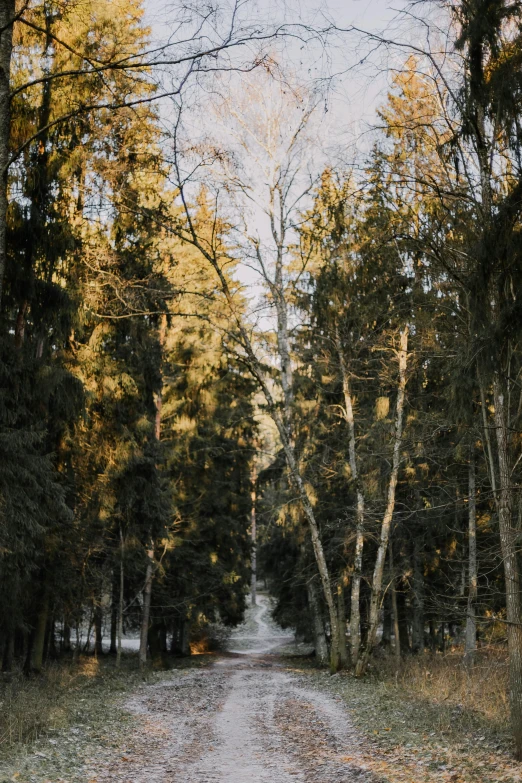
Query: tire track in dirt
{"x": 245, "y": 719}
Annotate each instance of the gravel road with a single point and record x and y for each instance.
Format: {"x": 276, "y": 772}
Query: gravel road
{"x": 245, "y": 719}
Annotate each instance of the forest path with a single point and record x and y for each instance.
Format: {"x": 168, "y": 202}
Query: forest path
{"x": 245, "y": 719}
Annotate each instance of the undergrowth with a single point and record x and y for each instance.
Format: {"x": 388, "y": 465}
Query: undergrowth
{"x": 433, "y": 720}
{"x": 34, "y": 706}
{"x": 443, "y": 680}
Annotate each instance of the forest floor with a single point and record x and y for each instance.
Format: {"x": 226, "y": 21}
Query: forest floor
{"x": 258, "y": 714}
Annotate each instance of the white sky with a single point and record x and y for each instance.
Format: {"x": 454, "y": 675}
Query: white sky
{"x": 352, "y": 105}
{"x": 359, "y": 89}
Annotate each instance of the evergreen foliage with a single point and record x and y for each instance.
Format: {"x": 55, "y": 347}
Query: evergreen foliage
{"x": 130, "y": 364}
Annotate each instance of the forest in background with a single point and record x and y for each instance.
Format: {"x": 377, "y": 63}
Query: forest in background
{"x": 365, "y": 392}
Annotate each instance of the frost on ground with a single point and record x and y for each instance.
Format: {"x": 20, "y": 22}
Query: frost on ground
{"x": 239, "y": 720}
{"x": 244, "y": 719}
{"x": 248, "y": 717}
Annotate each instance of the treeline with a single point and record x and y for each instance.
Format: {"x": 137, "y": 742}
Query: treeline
{"x": 138, "y": 378}
{"x": 405, "y": 415}
{"x": 125, "y": 418}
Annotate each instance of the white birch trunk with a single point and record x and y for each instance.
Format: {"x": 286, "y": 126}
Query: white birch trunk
{"x": 395, "y": 610}
{"x": 341, "y": 611}
{"x": 253, "y": 533}
{"x": 355, "y": 599}
{"x": 378, "y": 572}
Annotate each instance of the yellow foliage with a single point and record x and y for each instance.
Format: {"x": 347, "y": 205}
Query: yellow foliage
{"x": 382, "y": 407}
{"x": 184, "y": 424}
{"x": 312, "y": 496}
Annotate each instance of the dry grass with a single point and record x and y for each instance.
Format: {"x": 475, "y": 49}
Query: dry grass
{"x": 30, "y": 707}
{"x": 433, "y": 721}
{"x": 443, "y": 680}
{"x": 66, "y": 692}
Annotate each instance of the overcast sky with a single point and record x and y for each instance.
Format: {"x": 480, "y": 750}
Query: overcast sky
{"x": 351, "y": 106}
{"x": 344, "y": 136}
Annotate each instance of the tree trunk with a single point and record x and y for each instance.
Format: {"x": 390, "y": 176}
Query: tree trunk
{"x": 341, "y": 611}
{"x": 20, "y": 324}
{"x": 120, "y": 603}
{"x": 155, "y": 640}
{"x": 147, "y": 595}
{"x": 175, "y": 644}
{"x": 66, "y": 637}
{"x": 489, "y": 451}
{"x": 9, "y": 649}
{"x": 508, "y": 541}
{"x": 402, "y": 620}
{"x": 185, "y": 638}
{"x": 98, "y": 629}
{"x": 77, "y": 649}
{"x": 253, "y": 533}
{"x": 38, "y": 642}
{"x": 417, "y": 635}
{"x": 395, "y": 608}
{"x": 442, "y": 637}
{"x": 387, "y": 619}
{"x": 174, "y": 641}
{"x": 355, "y": 599}
{"x": 180, "y": 643}
{"x": 52, "y": 651}
{"x": 471, "y": 620}
{"x": 433, "y": 636}
{"x": 321, "y": 648}
{"x": 375, "y": 604}
{"x": 114, "y": 614}
{"x": 7, "y": 12}
{"x": 355, "y": 609}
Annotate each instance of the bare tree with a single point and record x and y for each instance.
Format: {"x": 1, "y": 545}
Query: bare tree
{"x": 200, "y": 40}
{"x": 269, "y": 127}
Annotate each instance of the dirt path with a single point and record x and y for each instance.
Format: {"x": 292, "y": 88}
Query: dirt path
{"x": 245, "y": 719}
{"x": 252, "y": 716}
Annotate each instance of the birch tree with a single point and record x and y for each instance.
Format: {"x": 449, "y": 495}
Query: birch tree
{"x": 378, "y": 572}
{"x": 199, "y": 40}
{"x": 476, "y": 138}
{"x": 271, "y": 181}
{"x": 355, "y": 604}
